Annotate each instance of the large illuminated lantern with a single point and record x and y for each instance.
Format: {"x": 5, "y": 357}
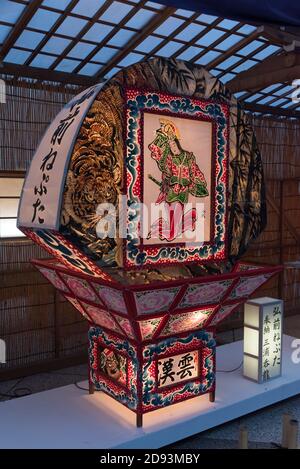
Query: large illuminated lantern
{"x": 146, "y": 190}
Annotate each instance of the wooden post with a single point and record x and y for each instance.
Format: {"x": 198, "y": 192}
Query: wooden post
{"x": 56, "y": 325}
{"x": 243, "y": 438}
{"x": 91, "y": 387}
{"x": 286, "y": 418}
{"x": 139, "y": 420}
{"x": 281, "y": 237}
{"x": 293, "y": 434}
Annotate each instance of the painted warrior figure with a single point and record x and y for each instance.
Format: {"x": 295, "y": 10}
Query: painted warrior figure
{"x": 181, "y": 176}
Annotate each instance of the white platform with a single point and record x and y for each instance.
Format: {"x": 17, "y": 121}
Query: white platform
{"x": 70, "y": 418}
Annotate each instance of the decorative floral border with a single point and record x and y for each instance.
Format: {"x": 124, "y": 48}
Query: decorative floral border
{"x": 154, "y": 398}
{"x": 102, "y": 383}
{"x": 138, "y": 101}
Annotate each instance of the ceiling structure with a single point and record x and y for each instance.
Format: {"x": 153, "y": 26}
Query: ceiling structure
{"x": 83, "y": 42}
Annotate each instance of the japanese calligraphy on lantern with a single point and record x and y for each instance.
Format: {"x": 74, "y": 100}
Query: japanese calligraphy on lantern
{"x": 42, "y": 191}
{"x": 173, "y": 370}
{"x": 263, "y": 339}
{"x": 271, "y": 342}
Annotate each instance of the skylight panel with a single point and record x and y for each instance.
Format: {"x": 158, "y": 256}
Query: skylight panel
{"x": 169, "y": 49}
{"x": 17, "y": 56}
{"x": 43, "y": 19}
{"x": 90, "y": 69}
{"x": 156, "y": 6}
{"x": 149, "y": 44}
{"x": 185, "y": 13}
{"x": 56, "y": 45}
{"x": 207, "y": 18}
{"x": 247, "y": 29}
{"x": 112, "y": 72}
{"x": 4, "y": 31}
{"x": 98, "y": 32}
{"x": 116, "y": 12}
{"x": 71, "y": 26}
{"x": 140, "y": 19}
{"x": 87, "y": 7}
{"x": 169, "y": 26}
{"x": 130, "y": 59}
{"x": 208, "y": 57}
{"x": 239, "y": 94}
{"x": 29, "y": 39}
{"x": 227, "y": 77}
{"x": 43, "y": 61}
{"x": 104, "y": 54}
{"x": 255, "y": 96}
{"x": 245, "y": 66}
{"x": 229, "y": 62}
{"x": 229, "y": 42}
{"x": 266, "y": 52}
{"x": 278, "y": 102}
{"x": 58, "y": 4}
{"x": 81, "y": 50}
{"x": 284, "y": 90}
{"x": 288, "y": 104}
{"x": 10, "y": 11}
{"x": 227, "y": 24}
{"x": 67, "y": 65}
{"x": 121, "y": 38}
{"x": 250, "y": 48}
{"x": 190, "y": 32}
{"x": 265, "y": 100}
{"x": 271, "y": 88}
{"x": 189, "y": 53}
{"x": 210, "y": 37}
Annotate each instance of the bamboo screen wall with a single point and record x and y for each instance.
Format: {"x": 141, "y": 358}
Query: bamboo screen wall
{"x": 31, "y": 320}
{"x": 280, "y": 242}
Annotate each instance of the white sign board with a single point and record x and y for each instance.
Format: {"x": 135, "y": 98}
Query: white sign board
{"x": 40, "y": 203}
{"x": 263, "y": 339}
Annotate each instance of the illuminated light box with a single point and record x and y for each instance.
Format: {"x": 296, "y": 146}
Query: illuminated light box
{"x": 164, "y": 331}
{"x": 144, "y": 200}
{"x": 263, "y": 319}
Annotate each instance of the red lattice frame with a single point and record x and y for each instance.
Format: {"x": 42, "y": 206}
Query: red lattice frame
{"x": 128, "y": 290}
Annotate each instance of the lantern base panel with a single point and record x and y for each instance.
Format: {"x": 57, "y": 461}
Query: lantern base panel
{"x": 71, "y": 418}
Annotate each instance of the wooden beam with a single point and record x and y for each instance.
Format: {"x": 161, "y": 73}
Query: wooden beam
{"x": 24, "y": 19}
{"x": 148, "y": 29}
{"x": 273, "y": 110}
{"x": 43, "y": 74}
{"x": 280, "y": 35}
{"x": 278, "y": 68}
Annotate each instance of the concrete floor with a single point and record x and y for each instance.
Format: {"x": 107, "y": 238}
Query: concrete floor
{"x": 264, "y": 427}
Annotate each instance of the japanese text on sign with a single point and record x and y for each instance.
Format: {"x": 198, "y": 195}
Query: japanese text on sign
{"x": 173, "y": 370}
